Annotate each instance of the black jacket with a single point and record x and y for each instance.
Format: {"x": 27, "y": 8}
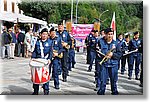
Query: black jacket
{"x": 21, "y": 37}
{"x": 6, "y": 38}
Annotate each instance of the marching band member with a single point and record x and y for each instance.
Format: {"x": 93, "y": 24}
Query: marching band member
{"x": 43, "y": 49}
{"x": 112, "y": 53}
{"x": 87, "y": 41}
{"x": 66, "y": 41}
{"x": 119, "y": 40}
{"x": 92, "y": 46}
{"x": 141, "y": 74}
{"x": 57, "y": 50}
{"x": 98, "y": 59}
{"x": 134, "y": 44}
{"x": 125, "y": 49}
{"x": 71, "y": 59}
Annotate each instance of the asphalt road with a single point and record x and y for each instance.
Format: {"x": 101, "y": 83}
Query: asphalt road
{"x": 15, "y": 80}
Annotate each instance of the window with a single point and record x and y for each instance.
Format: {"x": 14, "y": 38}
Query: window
{"x": 13, "y": 7}
{"x": 5, "y": 5}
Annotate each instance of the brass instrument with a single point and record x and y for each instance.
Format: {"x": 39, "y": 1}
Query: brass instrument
{"x": 60, "y": 55}
{"x": 105, "y": 58}
{"x": 72, "y": 43}
{"x": 67, "y": 46}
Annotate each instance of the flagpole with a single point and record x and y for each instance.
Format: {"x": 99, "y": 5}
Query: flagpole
{"x": 76, "y": 10}
{"x": 113, "y": 25}
{"x": 71, "y": 10}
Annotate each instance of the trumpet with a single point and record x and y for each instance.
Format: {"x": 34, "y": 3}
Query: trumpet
{"x": 60, "y": 55}
{"x": 105, "y": 57}
{"x": 65, "y": 45}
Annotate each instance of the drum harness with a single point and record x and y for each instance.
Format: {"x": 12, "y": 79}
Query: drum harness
{"x": 42, "y": 53}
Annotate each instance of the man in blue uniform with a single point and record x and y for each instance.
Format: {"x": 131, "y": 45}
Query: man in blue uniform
{"x": 92, "y": 45}
{"x": 112, "y": 52}
{"x": 97, "y": 60}
{"x": 141, "y": 74}
{"x": 87, "y": 41}
{"x": 66, "y": 41}
{"x": 125, "y": 50}
{"x": 71, "y": 59}
{"x": 134, "y": 44}
{"x": 119, "y": 41}
{"x": 45, "y": 53}
{"x": 56, "y": 61}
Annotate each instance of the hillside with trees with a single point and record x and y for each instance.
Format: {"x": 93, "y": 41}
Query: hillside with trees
{"x": 129, "y": 15}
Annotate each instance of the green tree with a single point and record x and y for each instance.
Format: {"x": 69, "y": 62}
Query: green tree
{"x": 129, "y": 16}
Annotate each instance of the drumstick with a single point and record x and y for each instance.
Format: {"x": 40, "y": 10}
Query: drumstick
{"x": 38, "y": 61}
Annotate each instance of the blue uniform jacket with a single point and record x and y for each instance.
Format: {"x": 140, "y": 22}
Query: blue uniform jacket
{"x": 98, "y": 47}
{"x": 64, "y": 37}
{"x": 93, "y": 43}
{"x": 125, "y": 46}
{"x": 134, "y": 44}
{"x": 88, "y": 39}
{"x": 118, "y": 41}
{"x": 117, "y": 53}
{"x": 56, "y": 44}
{"x": 47, "y": 49}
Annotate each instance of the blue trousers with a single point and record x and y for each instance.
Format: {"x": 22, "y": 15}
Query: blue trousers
{"x": 97, "y": 74}
{"x": 64, "y": 65}
{"x": 93, "y": 57}
{"x": 137, "y": 57}
{"x": 88, "y": 55}
{"x": 71, "y": 59}
{"x": 113, "y": 74}
{"x": 45, "y": 87}
{"x": 56, "y": 71}
{"x": 123, "y": 62}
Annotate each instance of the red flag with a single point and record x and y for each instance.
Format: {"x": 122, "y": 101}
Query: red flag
{"x": 113, "y": 25}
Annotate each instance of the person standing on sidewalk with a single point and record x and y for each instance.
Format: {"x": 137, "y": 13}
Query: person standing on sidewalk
{"x": 6, "y": 40}
{"x": 12, "y": 44}
{"x": 21, "y": 38}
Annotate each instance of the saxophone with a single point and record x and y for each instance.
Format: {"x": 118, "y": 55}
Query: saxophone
{"x": 60, "y": 55}
{"x": 67, "y": 46}
{"x": 72, "y": 43}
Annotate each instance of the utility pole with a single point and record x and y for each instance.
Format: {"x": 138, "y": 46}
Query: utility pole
{"x": 77, "y": 1}
{"x": 71, "y": 10}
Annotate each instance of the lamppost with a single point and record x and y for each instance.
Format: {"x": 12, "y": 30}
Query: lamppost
{"x": 102, "y": 14}
{"x": 77, "y": 1}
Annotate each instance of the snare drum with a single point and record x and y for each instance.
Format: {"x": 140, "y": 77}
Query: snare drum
{"x": 39, "y": 71}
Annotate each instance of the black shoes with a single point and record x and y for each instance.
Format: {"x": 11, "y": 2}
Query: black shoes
{"x": 115, "y": 93}
{"x": 96, "y": 89}
{"x": 46, "y": 92}
{"x": 136, "y": 78}
{"x": 64, "y": 80}
{"x": 35, "y": 93}
{"x": 57, "y": 87}
{"x": 88, "y": 70}
{"x": 141, "y": 85}
{"x": 129, "y": 78}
